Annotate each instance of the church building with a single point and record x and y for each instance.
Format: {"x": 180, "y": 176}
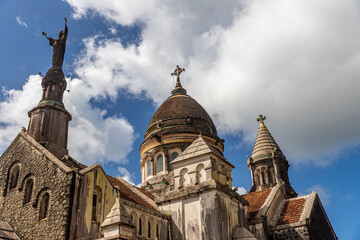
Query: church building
{"x": 186, "y": 186}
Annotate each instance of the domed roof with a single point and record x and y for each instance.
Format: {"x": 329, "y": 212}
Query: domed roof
{"x": 180, "y": 113}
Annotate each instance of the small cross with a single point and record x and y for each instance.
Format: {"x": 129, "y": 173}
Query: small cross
{"x": 177, "y": 72}
{"x": 261, "y": 118}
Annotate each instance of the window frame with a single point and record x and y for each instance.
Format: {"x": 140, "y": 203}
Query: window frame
{"x": 44, "y": 213}
{"x": 96, "y": 209}
{"x": 14, "y": 183}
{"x": 28, "y": 195}
{"x": 157, "y": 156}
{"x": 148, "y": 170}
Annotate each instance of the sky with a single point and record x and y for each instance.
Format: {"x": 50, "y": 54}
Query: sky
{"x": 296, "y": 62}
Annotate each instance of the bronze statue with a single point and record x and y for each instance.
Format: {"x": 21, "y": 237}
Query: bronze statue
{"x": 59, "y": 46}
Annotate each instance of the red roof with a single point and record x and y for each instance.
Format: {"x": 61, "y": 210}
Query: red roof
{"x": 128, "y": 194}
{"x": 256, "y": 200}
{"x": 291, "y": 211}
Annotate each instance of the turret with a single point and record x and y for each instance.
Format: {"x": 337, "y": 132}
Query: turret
{"x": 268, "y": 164}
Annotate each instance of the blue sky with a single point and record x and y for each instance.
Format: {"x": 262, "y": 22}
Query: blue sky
{"x": 297, "y": 62}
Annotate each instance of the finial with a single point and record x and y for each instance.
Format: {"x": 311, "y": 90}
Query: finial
{"x": 23, "y": 129}
{"x": 177, "y": 73}
{"x": 178, "y": 90}
{"x": 261, "y": 118}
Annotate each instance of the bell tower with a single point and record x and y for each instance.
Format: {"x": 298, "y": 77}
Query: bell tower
{"x": 49, "y": 120}
{"x": 268, "y": 164}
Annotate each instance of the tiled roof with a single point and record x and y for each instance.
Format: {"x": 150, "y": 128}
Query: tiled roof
{"x": 128, "y": 194}
{"x": 6, "y": 232}
{"x": 291, "y": 211}
{"x": 256, "y": 200}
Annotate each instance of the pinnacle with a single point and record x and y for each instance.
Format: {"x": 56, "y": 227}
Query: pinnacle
{"x": 178, "y": 90}
{"x": 265, "y": 144}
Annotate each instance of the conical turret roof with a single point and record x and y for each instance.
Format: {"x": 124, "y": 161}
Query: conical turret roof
{"x": 265, "y": 144}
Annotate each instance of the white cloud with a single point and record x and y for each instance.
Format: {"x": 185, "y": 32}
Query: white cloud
{"x": 294, "y": 61}
{"x": 241, "y": 191}
{"x": 13, "y": 110}
{"x": 324, "y": 193}
{"x": 92, "y": 137}
{"x": 112, "y": 30}
{"x": 126, "y": 175}
{"x": 21, "y": 22}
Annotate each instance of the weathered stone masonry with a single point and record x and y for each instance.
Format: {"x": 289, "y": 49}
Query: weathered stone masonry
{"x": 48, "y": 177}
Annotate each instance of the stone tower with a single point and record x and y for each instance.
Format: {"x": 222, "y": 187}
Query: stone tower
{"x": 268, "y": 164}
{"x": 183, "y": 165}
{"x": 49, "y": 120}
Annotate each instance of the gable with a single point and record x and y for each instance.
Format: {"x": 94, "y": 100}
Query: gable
{"x": 48, "y": 176}
{"x": 199, "y": 148}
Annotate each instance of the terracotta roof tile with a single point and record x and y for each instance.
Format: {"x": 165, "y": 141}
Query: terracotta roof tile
{"x": 291, "y": 211}
{"x": 128, "y": 194}
{"x": 256, "y": 200}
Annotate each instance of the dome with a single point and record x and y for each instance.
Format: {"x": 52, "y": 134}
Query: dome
{"x": 180, "y": 113}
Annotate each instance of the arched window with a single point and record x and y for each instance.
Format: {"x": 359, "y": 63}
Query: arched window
{"x": 148, "y": 168}
{"x": 159, "y": 163}
{"x": 258, "y": 177}
{"x": 134, "y": 221}
{"x": 96, "y": 205}
{"x": 200, "y": 173}
{"x": 157, "y": 231}
{"x": 270, "y": 175}
{"x": 140, "y": 227}
{"x": 44, "y": 206}
{"x": 184, "y": 177}
{"x": 149, "y": 229}
{"x": 14, "y": 177}
{"x": 28, "y": 190}
{"x": 173, "y": 156}
{"x": 264, "y": 175}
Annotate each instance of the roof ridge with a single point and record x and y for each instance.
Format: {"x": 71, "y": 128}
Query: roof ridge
{"x": 139, "y": 193}
{"x": 197, "y": 148}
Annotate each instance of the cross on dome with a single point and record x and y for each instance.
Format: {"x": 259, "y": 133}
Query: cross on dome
{"x": 261, "y": 118}
{"x": 177, "y": 72}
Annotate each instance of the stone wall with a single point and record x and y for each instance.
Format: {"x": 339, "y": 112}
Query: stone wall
{"x": 209, "y": 214}
{"x": 48, "y": 177}
{"x": 156, "y": 220}
{"x": 94, "y": 177}
{"x": 295, "y": 233}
